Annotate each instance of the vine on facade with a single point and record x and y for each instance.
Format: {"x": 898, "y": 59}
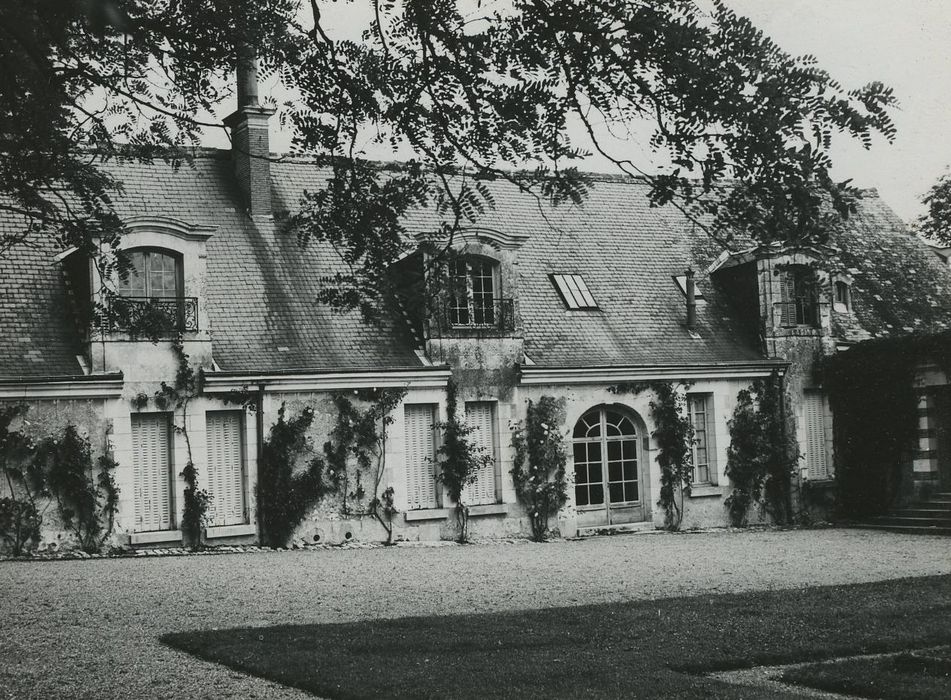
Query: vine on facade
{"x": 673, "y": 434}
{"x": 188, "y": 385}
{"x": 20, "y": 515}
{"x": 763, "y": 453}
{"x": 362, "y": 435}
{"x": 539, "y": 463}
{"x": 284, "y": 495}
{"x": 459, "y": 459}
{"x": 85, "y": 490}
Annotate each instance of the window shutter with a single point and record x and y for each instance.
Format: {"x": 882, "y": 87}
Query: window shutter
{"x": 481, "y": 416}
{"x": 151, "y": 463}
{"x": 788, "y": 295}
{"x": 225, "y": 467}
{"x": 420, "y": 451}
{"x": 814, "y": 414}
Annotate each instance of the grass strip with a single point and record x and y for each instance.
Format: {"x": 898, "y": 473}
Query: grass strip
{"x": 653, "y": 648}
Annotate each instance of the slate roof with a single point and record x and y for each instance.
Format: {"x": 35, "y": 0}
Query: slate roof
{"x": 262, "y": 286}
{"x": 628, "y": 254}
{"x": 899, "y": 286}
{"x": 37, "y": 335}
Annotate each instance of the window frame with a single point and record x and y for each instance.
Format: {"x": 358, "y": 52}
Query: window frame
{"x": 148, "y": 251}
{"x": 709, "y": 437}
{"x": 845, "y": 305}
{"x": 799, "y": 291}
{"x": 477, "y": 303}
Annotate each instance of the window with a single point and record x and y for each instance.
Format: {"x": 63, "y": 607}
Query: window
{"x": 152, "y": 471}
{"x": 800, "y": 297}
{"x": 418, "y": 422}
{"x": 480, "y": 415}
{"x": 703, "y": 449}
{"x": 225, "y": 468}
{"x": 605, "y": 459}
{"x": 574, "y": 292}
{"x": 473, "y": 292}
{"x": 814, "y": 422}
{"x": 154, "y": 274}
{"x": 151, "y": 297}
{"x": 843, "y": 297}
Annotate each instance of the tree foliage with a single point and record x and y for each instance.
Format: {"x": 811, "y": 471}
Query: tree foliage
{"x": 935, "y": 223}
{"x": 469, "y": 90}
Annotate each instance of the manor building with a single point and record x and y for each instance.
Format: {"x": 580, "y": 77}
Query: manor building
{"x": 570, "y": 301}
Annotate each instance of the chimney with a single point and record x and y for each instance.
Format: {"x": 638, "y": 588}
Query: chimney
{"x": 250, "y": 150}
{"x": 691, "y": 300}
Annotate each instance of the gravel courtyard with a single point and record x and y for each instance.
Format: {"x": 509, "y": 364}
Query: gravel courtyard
{"x": 90, "y": 628}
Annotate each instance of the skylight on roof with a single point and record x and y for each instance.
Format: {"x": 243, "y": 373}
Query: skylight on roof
{"x": 574, "y": 291}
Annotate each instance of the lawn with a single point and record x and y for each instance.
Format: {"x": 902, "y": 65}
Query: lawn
{"x": 922, "y": 675}
{"x": 653, "y": 648}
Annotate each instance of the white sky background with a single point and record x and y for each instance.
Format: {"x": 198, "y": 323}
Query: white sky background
{"x": 905, "y": 44}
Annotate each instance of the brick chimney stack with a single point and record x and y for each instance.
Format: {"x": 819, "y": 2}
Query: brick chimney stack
{"x": 250, "y": 149}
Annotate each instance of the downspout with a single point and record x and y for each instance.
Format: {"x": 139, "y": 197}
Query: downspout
{"x": 783, "y": 433}
{"x": 259, "y": 427}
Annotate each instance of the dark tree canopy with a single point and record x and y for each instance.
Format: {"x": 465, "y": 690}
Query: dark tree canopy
{"x": 472, "y": 89}
{"x": 935, "y": 224}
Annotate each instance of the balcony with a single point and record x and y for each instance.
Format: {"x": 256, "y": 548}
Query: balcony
{"x": 151, "y": 317}
{"x": 490, "y": 318}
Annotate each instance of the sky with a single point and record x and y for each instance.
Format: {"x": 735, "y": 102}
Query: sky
{"x": 905, "y": 44}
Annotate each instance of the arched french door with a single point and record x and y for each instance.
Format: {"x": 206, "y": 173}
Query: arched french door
{"x": 608, "y": 488}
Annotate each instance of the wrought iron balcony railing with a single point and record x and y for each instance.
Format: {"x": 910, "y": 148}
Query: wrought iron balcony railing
{"x": 488, "y": 317}
{"x": 152, "y": 316}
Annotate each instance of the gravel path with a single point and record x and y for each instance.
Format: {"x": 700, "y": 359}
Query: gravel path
{"x": 90, "y": 628}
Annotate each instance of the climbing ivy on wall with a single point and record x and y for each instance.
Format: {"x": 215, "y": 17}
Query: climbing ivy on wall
{"x": 763, "y": 452}
{"x": 673, "y": 435}
{"x": 459, "y": 459}
{"x": 20, "y": 514}
{"x": 284, "y": 495}
{"x": 84, "y": 489}
{"x": 361, "y": 434}
{"x": 539, "y": 464}
{"x": 872, "y": 394}
{"x": 188, "y": 385}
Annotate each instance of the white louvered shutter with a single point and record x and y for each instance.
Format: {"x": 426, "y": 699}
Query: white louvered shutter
{"x": 814, "y": 418}
{"x": 788, "y": 295}
{"x": 152, "y": 471}
{"x": 420, "y": 451}
{"x": 225, "y": 468}
{"x": 481, "y": 416}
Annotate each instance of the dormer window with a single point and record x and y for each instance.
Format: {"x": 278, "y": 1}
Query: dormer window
{"x": 150, "y": 299}
{"x": 843, "y": 297}
{"x": 800, "y": 297}
{"x": 154, "y": 273}
{"x": 473, "y": 299}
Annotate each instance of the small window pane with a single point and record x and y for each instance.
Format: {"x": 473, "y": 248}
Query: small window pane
{"x": 615, "y": 472}
{"x": 617, "y": 493}
{"x": 581, "y": 495}
{"x": 597, "y": 494}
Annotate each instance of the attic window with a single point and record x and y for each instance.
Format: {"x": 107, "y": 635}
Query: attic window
{"x": 681, "y": 281}
{"x": 574, "y": 291}
{"x": 843, "y": 297}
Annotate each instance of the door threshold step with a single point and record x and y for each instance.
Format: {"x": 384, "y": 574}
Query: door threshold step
{"x": 596, "y": 530}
